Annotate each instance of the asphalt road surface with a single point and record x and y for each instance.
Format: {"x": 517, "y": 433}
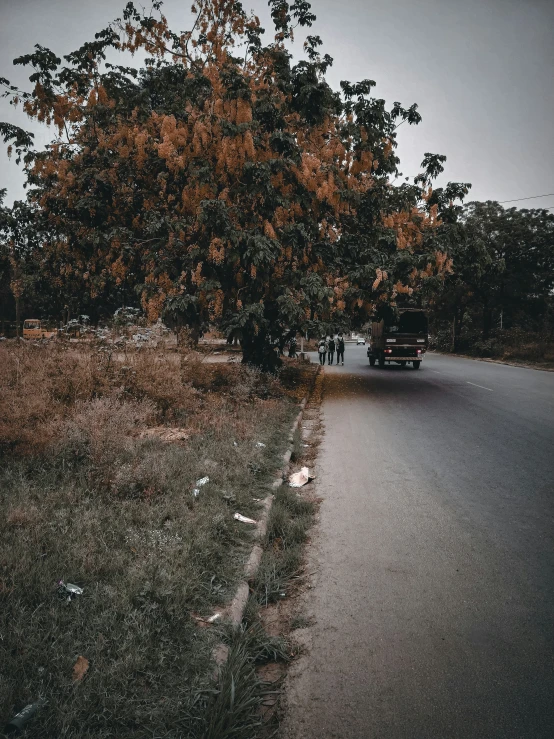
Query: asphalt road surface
{"x": 433, "y": 561}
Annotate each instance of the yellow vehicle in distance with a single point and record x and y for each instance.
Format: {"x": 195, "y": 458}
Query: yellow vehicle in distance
{"x": 33, "y": 329}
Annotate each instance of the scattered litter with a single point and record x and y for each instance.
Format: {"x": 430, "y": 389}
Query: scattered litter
{"x": 235, "y": 443}
{"x": 298, "y": 479}
{"x": 80, "y": 669}
{"x": 17, "y": 724}
{"x": 68, "y": 590}
{"x": 244, "y": 519}
{"x": 204, "y": 621}
{"x": 257, "y": 500}
{"x": 260, "y": 445}
{"x": 199, "y": 483}
{"x": 230, "y": 497}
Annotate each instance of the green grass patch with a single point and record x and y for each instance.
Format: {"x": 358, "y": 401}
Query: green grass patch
{"x": 290, "y": 519}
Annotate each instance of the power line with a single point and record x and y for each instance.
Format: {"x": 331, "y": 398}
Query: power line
{"x": 515, "y": 200}
{"x": 545, "y": 207}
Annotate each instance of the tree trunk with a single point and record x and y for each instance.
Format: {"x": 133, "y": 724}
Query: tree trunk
{"x": 259, "y": 352}
{"x": 18, "y": 317}
{"x": 458, "y": 322}
{"x": 487, "y": 322}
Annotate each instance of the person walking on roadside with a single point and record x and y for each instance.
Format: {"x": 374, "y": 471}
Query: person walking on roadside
{"x": 292, "y": 347}
{"x": 340, "y": 349}
{"x": 330, "y": 349}
{"x": 322, "y": 350}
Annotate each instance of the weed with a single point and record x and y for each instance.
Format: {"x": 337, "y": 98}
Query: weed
{"x": 234, "y": 710}
{"x": 300, "y": 621}
{"x": 261, "y": 647}
{"x": 297, "y": 449}
{"x": 290, "y": 518}
{"x": 234, "y": 713}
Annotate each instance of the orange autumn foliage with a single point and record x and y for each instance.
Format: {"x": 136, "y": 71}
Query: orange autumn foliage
{"x": 212, "y": 183}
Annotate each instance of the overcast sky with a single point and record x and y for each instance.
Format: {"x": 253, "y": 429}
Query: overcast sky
{"x": 481, "y": 71}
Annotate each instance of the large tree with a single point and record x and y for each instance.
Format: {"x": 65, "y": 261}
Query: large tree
{"x": 221, "y": 181}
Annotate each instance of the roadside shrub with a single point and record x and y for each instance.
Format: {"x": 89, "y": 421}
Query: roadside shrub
{"x": 485, "y": 348}
{"x": 244, "y": 381}
{"x": 39, "y": 385}
{"x": 102, "y": 428}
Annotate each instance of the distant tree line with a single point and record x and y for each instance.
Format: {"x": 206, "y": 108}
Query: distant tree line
{"x": 500, "y": 290}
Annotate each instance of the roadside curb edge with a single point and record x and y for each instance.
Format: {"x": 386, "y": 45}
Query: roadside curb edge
{"x": 235, "y": 610}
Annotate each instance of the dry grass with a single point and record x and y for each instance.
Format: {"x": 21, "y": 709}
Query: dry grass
{"x": 513, "y": 345}
{"x": 537, "y": 352}
{"x": 85, "y": 498}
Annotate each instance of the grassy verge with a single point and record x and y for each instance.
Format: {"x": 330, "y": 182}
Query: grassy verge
{"x": 512, "y": 346}
{"x": 87, "y": 497}
{"x": 246, "y": 702}
{"x": 290, "y": 519}
{"x": 236, "y": 712}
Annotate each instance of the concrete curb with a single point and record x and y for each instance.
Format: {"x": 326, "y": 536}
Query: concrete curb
{"x": 235, "y": 610}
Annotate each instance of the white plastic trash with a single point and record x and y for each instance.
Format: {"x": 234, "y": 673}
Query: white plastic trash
{"x": 298, "y": 479}
{"x": 244, "y": 519}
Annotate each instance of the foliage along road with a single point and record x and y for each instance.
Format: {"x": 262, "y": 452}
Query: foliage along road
{"x": 433, "y": 558}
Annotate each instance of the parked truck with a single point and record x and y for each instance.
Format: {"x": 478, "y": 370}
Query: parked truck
{"x": 401, "y": 336}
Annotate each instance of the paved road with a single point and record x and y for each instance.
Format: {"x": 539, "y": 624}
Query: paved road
{"x": 434, "y": 556}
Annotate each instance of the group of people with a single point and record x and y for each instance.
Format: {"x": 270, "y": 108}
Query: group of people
{"x": 327, "y": 347}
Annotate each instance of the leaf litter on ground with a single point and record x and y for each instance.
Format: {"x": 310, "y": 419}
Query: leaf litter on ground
{"x": 80, "y": 669}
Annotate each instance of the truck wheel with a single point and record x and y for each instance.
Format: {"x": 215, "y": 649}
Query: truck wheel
{"x": 381, "y": 361}
{"x": 402, "y": 364}
{"x": 372, "y": 361}
{"x": 416, "y": 364}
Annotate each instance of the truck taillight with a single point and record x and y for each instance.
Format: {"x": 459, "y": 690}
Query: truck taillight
{"x": 388, "y": 351}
